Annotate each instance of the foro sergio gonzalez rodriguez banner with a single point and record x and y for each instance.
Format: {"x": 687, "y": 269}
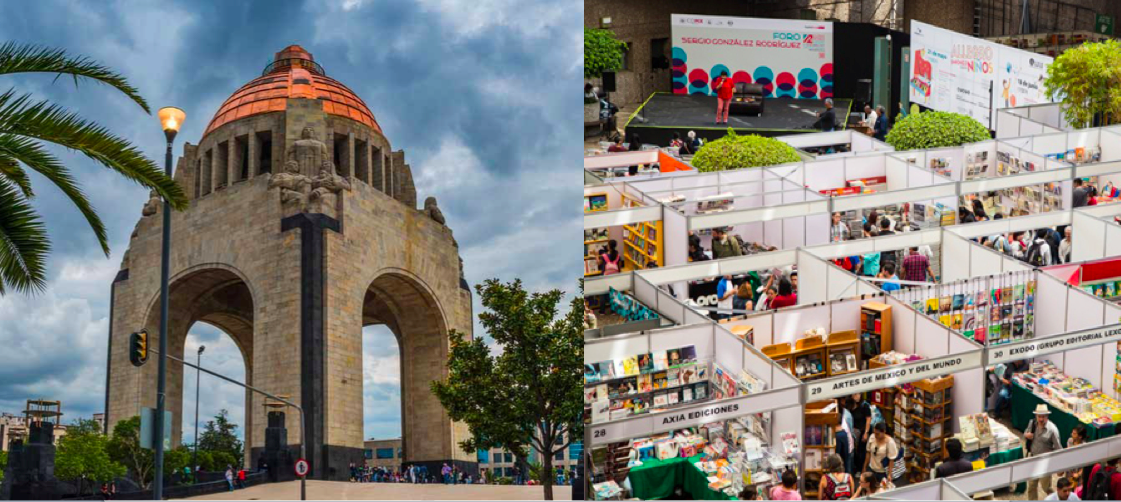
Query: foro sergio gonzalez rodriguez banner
{"x": 789, "y": 58}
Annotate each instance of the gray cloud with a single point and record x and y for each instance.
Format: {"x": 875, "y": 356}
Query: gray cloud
{"x": 482, "y": 95}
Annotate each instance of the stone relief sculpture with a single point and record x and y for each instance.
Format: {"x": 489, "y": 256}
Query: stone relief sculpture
{"x": 433, "y": 210}
{"x": 308, "y": 182}
{"x": 153, "y": 204}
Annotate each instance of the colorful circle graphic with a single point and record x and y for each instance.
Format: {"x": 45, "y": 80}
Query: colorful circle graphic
{"x": 763, "y": 76}
{"x": 826, "y": 81}
{"x": 784, "y": 85}
{"x": 807, "y": 83}
{"x": 741, "y": 77}
{"x": 698, "y": 82}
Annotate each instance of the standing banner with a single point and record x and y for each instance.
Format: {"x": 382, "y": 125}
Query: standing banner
{"x": 789, "y": 58}
{"x": 957, "y": 73}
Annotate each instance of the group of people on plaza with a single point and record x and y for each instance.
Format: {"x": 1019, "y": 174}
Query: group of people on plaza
{"x": 448, "y": 475}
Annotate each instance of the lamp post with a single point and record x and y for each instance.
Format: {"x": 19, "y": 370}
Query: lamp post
{"x": 198, "y": 378}
{"x": 171, "y": 119}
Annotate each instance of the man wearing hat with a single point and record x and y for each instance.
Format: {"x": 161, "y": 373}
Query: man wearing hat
{"x": 1042, "y": 437}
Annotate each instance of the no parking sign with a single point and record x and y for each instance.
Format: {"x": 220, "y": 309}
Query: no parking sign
{"x": 302, "y": 467}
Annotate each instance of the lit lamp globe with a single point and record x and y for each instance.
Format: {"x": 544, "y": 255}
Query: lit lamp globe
{"x": 171, "y": 119}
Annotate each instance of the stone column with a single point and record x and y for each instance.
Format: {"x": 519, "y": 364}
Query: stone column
{"x": 233, "y": 170}
{"x": 254, "y": 156}
{"x": 348, "y": 169}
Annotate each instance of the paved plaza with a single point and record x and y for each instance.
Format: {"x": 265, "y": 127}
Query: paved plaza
{"x": 342, "y": 490}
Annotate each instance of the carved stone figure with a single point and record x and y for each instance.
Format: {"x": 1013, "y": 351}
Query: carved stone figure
{"x": 153, "y": 204}
{"x": 292, "y": 184}
{"x": 433, "y": 210}
{"x": 309, "y": 153}
{"x": 326, "y": 183}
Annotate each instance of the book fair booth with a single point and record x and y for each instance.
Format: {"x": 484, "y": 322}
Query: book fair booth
{"x": 835, "y": 143}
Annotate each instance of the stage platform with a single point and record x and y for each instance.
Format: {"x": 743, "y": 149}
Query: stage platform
{"x": 665, "y": 113}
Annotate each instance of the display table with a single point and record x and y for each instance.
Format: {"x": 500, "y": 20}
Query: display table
{"x": 1004, "y": 457}
{"x": 656, "y": 479}
{"x": 1024, "y": 403}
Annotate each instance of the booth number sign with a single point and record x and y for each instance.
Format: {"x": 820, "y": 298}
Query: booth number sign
{"x": 891, "y": 375}
{"x": 1042, "y": 346}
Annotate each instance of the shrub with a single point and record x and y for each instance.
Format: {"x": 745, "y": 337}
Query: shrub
{"x": 602, "y": 52}
{"x": 935, "y": 129}
{"x": 737, "y": 152}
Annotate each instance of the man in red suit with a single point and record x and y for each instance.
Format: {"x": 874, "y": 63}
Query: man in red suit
{"x": 724, "y": 90}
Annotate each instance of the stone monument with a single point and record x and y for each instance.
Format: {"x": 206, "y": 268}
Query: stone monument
{"x": 303, "y": 228}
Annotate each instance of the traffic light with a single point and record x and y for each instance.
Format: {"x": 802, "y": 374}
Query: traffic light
{"x": 138, "y": 348}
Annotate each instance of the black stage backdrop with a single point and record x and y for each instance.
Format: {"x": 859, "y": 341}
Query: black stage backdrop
{"x": 854, "y": 56}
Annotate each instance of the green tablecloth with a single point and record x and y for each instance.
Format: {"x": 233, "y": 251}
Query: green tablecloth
{"x": 1023, "y": 409}
{"x": 656, "y": 479}
{"x": 1004, "y": 457}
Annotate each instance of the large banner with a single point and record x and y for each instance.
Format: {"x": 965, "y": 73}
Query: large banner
{"x": 788, "y": 57}
{"x": 957, "y": 73}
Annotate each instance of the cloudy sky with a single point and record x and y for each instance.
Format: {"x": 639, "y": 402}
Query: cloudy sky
{"x": 481, "y": 94}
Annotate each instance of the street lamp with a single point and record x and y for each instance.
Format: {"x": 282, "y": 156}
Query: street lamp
{"x": 198, "y": 378}
{"x": 171, "y": 119}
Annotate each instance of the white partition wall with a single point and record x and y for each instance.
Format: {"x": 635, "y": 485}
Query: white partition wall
{"x": 1095, "y": 235}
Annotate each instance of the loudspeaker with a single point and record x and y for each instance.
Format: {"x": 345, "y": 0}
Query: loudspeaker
{"x": 864, "y": 90}
{"x": 609, "y": 81}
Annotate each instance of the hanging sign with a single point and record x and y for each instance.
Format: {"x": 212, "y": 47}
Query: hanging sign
{"x": 891, "y": 376}
{"x": 712, "y": 411}
{"x": 1052, "y": 344}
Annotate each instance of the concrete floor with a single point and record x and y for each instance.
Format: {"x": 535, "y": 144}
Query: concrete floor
{"x": 342, "y": 490}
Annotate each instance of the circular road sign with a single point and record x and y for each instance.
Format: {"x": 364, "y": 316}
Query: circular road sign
{"x": 302, "y": 467}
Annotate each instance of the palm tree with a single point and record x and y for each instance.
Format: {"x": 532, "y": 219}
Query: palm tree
{"x": 25, "y": 126}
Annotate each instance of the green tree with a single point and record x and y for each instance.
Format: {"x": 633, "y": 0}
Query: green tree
{"x": 602, "y": 52}
{"x": 26, "y": 127}
{"x": 524, "y": 396}
{"x": 124, "y": 448}
{"x": 82, "y": 456}
{"x": 1087, "y": 81}
{"x": 175, "y": 460}
{"x": 220, "y": 435}
{"x": 737, "y": 152}
{"x": 3, "y": 464}
{"x": 934, "y": 129}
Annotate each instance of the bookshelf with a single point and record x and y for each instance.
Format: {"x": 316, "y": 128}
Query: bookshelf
{"x": 642, "y": 242}
{"x": 808, "y": 358}
{"x": 820, "y": 417}
{"x": 595, "y": 243}
{"x": 779, "y": 353}
{"x": 875, "y": 329}
{"x": 931, "y": 418}
{"x": 595, "y": 202}
{"x": 842, "y": 353}
{"x": 744, "y": 332}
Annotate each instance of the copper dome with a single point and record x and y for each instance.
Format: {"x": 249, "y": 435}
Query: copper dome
{"x": 292, "y": 74}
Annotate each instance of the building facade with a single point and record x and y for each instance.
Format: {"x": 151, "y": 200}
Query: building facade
{"x": 644, "y": 24}
{"x": 384, "y": 453}
{"x": 500, "y": 462}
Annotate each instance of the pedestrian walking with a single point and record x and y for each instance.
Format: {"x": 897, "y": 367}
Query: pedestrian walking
{"x": 1042, "y": 437}
{"x": 230, "y": 476}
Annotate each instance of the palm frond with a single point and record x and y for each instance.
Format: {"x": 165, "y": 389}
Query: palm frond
{"x": 10, "y": 169}
{"x": 30, "y": 58}
{"x": 31, "y": 154}
{"x": 44, "y": 121}
{"x": 23, "y": 243}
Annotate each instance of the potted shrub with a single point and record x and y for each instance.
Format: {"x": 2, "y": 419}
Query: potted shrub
{"x": 738, "y": 152}
{"x": 934, "y": 129}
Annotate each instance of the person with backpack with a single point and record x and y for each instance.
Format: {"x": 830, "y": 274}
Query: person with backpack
{"x": 1104, "y": 482}
{"x": 861, "y": 430}
{"x": 722, "y": 246}
{"x": 836, "y": 484}
{"x": 1039, "y": 251}
{"x": 954, "y": 464}
{"x": 1042, "y": 437}
{"x": 880, "y": 453}
{"x": 610, "y": 261}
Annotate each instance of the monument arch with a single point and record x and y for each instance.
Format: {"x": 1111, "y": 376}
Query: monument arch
{"x": 303, "y": 227}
